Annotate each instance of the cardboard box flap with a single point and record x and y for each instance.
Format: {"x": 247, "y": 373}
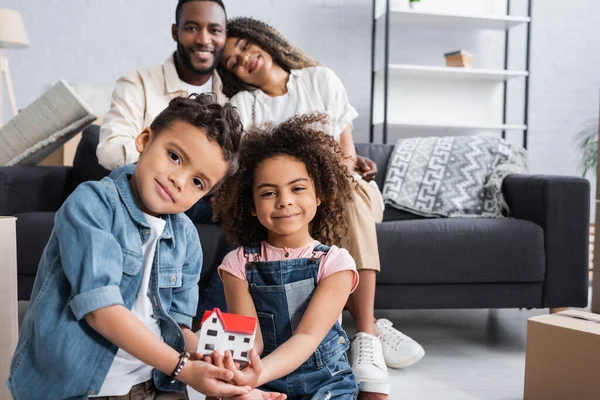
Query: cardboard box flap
{"x": 586, "y": 316}
{"x": 572, "y": 319}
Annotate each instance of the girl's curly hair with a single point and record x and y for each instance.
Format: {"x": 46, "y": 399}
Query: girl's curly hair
{"x": 321, "y": 154}
{"x": 286, "y": 55}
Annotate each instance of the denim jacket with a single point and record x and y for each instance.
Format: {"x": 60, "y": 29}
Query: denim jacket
{"x": 94, "y": 259}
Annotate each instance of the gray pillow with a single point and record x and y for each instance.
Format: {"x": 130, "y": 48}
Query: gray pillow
{"x": 44, "y": 126}
{"x": 453, "y": 176}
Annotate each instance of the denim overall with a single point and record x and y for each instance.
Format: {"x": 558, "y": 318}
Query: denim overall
{"x": 281, "y": 291}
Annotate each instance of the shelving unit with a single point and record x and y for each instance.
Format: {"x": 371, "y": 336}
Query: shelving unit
{"x": 380, "y": 78}
{"x": 453, "y": 127}
{"x": 449, "y": 20}
{"x": 451, "y": 72}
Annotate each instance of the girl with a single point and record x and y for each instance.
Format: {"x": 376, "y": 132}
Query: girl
{"x": 268, "y": 79}
{"x": 284, "y": 208}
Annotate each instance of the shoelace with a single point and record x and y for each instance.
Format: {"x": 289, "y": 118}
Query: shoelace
{"x": 368, "y": 355}
{"x": 393, "y": 336}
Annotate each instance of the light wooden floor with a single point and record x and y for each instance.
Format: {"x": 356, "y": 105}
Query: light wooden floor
{"x": 470, "y": 354}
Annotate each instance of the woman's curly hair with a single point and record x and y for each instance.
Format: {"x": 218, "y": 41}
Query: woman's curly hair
{"x": 299, "y": 139}
{"x": 286, "y": 55}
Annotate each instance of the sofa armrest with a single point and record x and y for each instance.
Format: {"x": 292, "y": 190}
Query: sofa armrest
{"x": 27, "y": 189}
{"x": 380, "y": 154}
{"x": 561, "y": 206}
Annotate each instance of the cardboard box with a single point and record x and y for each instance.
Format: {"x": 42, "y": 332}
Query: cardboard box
{"x": 8, "y": 299}
{"x": 65, "y": 155}
{"x": 563, "y": 356}
{"x": 459, "y": 58}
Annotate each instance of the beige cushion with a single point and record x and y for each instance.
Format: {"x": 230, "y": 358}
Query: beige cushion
{"x": 44, "y": 126}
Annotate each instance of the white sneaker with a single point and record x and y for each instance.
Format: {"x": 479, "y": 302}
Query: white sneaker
{"x": 399, "y": 350}
{"x": 367, "y": 359}
{"x": 374, "y": 387}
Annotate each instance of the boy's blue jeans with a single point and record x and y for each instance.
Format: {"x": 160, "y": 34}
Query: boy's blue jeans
{"x": 213, "y": 294}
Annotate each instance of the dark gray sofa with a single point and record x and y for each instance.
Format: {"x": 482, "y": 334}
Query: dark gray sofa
{"x": 537, "y": 259}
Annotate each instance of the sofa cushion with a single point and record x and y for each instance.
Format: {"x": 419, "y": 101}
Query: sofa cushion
{"x": 85, "y": 163}
{"x": 33, "y": 232}
{"x": 34, "y": 229}
{"x": 25, "y": 287}
{"x": 44, "y": 126}
{"x": 393, "y": 214}
{"x": 214, "y": 247}
{"x": 379, "y": 154}
{"x": 461, "y": 250}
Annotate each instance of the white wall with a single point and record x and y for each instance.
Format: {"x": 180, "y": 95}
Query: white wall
{"x": 96, "y": 41}
{"x": 565, "y": 85}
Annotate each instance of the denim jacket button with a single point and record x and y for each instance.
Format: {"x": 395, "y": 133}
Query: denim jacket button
{"x": 145, "y": 231}
{"x": 91, "y": 392}
{"x": 173, "y": 278}
{"x": 342, "y": 340}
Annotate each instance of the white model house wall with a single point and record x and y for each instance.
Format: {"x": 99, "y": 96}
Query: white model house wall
{"x": 213, "y": 336}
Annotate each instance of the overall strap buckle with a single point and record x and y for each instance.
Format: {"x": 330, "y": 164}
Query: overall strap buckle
{"x": 320, "y": 248}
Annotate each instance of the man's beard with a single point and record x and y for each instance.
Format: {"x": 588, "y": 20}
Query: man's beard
{"x": 185, "y": 58}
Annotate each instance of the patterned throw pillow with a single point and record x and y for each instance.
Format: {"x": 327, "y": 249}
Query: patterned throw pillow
{"x": 44, "y": 126}
{"x": 453, "y": 176}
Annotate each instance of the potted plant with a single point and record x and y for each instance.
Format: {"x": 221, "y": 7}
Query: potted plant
{"x": 413, "y": 3}
{"x": 587, "y": 143}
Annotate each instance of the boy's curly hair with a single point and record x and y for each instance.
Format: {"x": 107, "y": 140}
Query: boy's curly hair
{"x": 285, "y": 54}
{"x": 221, "y": 122}
{"x": 296, "y": 138}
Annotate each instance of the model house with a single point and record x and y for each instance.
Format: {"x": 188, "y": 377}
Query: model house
{"x": 223, "y": 331}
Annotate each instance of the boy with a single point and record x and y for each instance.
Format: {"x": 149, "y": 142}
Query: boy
{"x": 117, "y": 285}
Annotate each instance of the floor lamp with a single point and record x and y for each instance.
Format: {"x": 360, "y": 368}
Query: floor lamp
{"x": 12, "y": 35}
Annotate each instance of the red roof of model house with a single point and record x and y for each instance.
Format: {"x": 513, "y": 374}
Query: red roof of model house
{"x": 233, "y": 322}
